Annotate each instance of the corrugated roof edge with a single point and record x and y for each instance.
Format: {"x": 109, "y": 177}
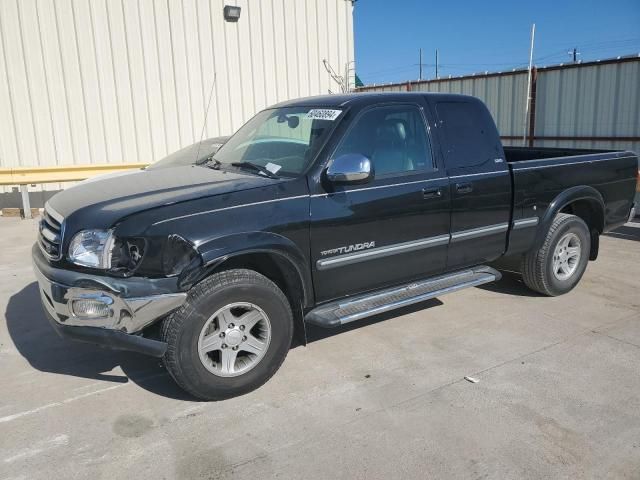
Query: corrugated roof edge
{"x": 561, "y": 66}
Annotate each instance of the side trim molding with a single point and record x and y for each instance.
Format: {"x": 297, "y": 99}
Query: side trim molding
{"x": 478, "y": 232}
{"x": 518, "y": 168}
{"x": 525, "y": 222}
{"x": 380, "y": 252}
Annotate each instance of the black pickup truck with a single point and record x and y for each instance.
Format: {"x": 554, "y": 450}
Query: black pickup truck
{"x": 318, "y": 211}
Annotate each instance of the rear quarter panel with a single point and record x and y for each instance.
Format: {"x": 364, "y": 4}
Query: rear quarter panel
{"x": 539, "y": 185}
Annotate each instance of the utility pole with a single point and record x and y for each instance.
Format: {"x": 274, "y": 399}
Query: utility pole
{"x": 436, "y": 63}
{"x": 420, "y": 74}
{"x": 528, "y": 102}
{"x": 574, "y": 53}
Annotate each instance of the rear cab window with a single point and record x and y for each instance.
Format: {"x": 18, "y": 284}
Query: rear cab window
{"x": 469, "y": 135}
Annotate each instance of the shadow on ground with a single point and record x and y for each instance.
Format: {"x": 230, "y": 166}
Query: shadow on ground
{"x": 510, "y": 284}
{"x": 38, "y": 343}
{"x": 44, "y": 350}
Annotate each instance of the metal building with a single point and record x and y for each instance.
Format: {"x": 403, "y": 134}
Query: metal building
{"x": 102, "y": 81}
{"x": 583, "y": 105}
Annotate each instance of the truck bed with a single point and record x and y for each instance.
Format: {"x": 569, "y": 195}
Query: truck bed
{"x": 546, "y": 178}
{"x": 542, "y": 176}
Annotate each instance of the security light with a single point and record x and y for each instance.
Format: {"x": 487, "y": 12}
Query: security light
{"x": 231, "y": 13}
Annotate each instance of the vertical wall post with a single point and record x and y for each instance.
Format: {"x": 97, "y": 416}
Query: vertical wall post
{"x": 26, "y": 206}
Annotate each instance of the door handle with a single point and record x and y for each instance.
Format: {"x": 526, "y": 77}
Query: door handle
{"x": 464, "y": 187}
{"x": 431, "y": 192}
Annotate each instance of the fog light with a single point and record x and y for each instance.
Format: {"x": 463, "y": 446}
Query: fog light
{"x": 92, "y": 307}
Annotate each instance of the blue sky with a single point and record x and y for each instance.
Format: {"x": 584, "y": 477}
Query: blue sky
{"x": 490, "y": 35}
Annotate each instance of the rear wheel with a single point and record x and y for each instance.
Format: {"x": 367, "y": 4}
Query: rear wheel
{"x": 231, "y": 335}
{"x": 559, "y": 264}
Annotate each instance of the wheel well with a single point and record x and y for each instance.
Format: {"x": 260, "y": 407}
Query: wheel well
{"x": 593, "y": 216}
{"x": 280, "y": 271}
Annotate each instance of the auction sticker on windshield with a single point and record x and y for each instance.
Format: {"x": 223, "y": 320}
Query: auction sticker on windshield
{"x": 272, "y": 167}
{"x": 323, "y": 114}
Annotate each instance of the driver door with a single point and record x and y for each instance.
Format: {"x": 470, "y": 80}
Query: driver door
{"x": 395, "y": 228}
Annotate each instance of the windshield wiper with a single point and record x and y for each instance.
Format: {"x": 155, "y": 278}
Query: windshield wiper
{"x": 256, "y": 167}
{"x": 210, "y": 162}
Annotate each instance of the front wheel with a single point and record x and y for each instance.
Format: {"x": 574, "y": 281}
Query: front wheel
{"x": 559, "y": 264}
{"x": 231, "y": 335}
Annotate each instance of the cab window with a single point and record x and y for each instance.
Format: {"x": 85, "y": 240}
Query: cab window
{"x": 394, "y": 138}
{"x": 470, "y": 136}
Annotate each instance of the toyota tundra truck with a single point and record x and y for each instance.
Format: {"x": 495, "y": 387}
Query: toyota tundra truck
{"x": 319, "y": 211}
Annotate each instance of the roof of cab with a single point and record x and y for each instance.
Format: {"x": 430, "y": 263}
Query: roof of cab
{"x": 348, "y": 99}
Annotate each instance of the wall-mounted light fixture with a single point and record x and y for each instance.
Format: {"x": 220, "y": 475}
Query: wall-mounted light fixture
{"x": 231, "y": 13}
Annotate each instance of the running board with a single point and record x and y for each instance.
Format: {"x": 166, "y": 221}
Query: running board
{"x": 354, "y": 308}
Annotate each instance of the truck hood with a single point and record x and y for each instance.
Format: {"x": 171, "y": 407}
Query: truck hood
{"x": 99, "y": 203}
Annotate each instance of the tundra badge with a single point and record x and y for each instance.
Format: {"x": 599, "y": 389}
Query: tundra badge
{"x": 349, "y": 248}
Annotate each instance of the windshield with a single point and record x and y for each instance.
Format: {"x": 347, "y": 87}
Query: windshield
{"x": 191, "y": 154}
{"x": 282, "y": 140}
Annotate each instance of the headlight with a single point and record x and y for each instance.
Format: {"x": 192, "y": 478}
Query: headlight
{"x": 92, "y": 248}
{"x": 127, "y": 254}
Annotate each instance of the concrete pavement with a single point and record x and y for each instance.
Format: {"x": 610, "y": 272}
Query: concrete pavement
{"x": 558, "y": 393}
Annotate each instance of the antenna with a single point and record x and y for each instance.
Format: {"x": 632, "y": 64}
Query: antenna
{"x": 340, "y": 80}
{"x": 206, "y": 115}
{"x": 528, "y": 101}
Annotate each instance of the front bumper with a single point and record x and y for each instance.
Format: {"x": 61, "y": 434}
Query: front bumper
{"x": 120, "y": 328}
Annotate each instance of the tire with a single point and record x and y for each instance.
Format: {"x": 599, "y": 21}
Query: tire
{"x": 192, "y": 326}
{"x": 538, "y": 265}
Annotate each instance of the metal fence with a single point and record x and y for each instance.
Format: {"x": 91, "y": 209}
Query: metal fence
{"x": 585, "y": 105}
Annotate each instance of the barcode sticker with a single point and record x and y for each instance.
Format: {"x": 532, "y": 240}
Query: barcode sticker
{"x": 323, "y": 114}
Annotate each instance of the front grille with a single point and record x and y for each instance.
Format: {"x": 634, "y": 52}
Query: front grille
{"x": 51, "y": 231}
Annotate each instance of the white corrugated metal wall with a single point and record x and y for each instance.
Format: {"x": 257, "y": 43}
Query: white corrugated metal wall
{"x": 107, "y": 81}
{"x": 590, "y": 101}
{"x": 599, "y": 103}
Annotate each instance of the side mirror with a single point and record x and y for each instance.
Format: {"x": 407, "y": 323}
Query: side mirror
{"x": 350, "y": 168}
